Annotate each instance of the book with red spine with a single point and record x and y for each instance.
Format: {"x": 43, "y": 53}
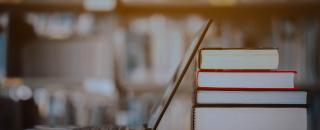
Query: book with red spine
{"x": 263, "y": 80}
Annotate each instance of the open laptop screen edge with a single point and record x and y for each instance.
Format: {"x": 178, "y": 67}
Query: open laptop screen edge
{"x": 182, "y": 69}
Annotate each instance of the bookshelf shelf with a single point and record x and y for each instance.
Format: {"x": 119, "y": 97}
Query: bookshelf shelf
{"x": 47, "y": 7}
{"x": 40, "y": 7}
{"x": 209, "y": 10}
{"x": 240, "y": 10}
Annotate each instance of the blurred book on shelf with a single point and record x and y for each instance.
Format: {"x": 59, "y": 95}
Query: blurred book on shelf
{"x": 53, "y": 1}
{"x": 99, "y": 5}
{"x": 153, "y": 48}
{"x": 4, "y": 19}
{"x": 297, "y": 41}
{"x": 10, "y": 1}
{"x": 60, "y": 26}
{"x": 68, "y": 46}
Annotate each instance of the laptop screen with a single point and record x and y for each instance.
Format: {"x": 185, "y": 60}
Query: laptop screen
{"x": 177, "y": 79}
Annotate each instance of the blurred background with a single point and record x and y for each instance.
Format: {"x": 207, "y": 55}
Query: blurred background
{"x": 102, "y": 62}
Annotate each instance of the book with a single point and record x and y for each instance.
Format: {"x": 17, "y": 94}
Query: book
{"x": 250, "y": 118}
{"x": 242, "y": 89}
{"x": 3, "y": 54}
{"x": 245, "y": 79}
{"x": 217, "y": 58}
{"x": 251, "y": 97}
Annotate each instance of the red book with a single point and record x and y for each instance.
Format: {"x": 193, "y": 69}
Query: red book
{"x": 245, "y": 80}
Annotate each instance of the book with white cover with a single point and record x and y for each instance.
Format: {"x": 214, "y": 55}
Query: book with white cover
{"x": 217, "y": 58}
{"x": 250, "y": 118}
{"x": 241, "y": 79}
{"x": 251, "y": 97}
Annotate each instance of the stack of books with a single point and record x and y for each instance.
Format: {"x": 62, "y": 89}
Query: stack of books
{"x": 242, "y": 89}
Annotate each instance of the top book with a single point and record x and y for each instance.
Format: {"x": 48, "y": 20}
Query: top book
{"x": 246, "y": 59}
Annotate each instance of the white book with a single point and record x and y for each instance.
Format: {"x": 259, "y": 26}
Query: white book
{"x": 251, "y": 97}
{"x": 211, "y": 58}
{"x": 246, "y": 79}
{"x": 238, "y": 118}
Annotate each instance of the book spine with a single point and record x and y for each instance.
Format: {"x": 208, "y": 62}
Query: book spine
{"x": 195, "y": 86}
{"x": 194, "y": 95}
{"x": 199, "y": 60}
{"x": 193, "y": 119}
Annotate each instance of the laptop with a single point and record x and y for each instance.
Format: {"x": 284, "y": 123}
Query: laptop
{"x": 170, "y": 92}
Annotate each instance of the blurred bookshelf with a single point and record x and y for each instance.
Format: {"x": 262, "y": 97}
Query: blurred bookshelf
{"x": 60, "y": 49}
